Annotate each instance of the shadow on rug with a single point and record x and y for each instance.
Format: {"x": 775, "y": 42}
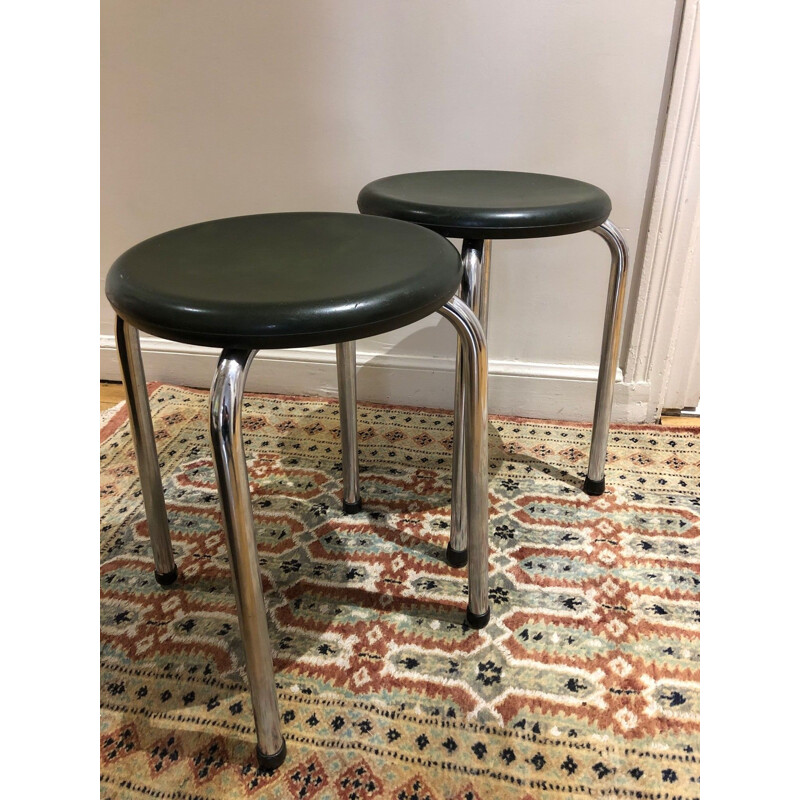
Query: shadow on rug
{"x": 585, "y": 682}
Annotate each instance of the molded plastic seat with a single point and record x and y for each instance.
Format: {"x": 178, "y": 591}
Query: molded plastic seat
{"x": 283, "y": 280}
{"x": 488, "y": 204}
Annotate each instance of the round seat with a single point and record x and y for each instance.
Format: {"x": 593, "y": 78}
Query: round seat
{"x": 488, "y": 204}
{"x": 283, "y": 280}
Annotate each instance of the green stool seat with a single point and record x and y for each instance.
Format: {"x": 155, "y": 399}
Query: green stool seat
{"x": 488, "y": 204}
{"x": 283, "y": 280}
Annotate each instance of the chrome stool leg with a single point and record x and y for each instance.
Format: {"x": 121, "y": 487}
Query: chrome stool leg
{"x": 230, "y": 466}
{"x": 346, "y": 375}
{"x": 475, "y": 456}
{"x": 595, "y": 482}
{"x": 476, "y": 257}
{"x": 144, "y": 443}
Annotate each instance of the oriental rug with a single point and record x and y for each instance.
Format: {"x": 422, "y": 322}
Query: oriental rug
{"x": 584, "y": 684}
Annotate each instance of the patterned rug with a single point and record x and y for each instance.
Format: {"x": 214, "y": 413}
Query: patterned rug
{"x": 584, "y": 683}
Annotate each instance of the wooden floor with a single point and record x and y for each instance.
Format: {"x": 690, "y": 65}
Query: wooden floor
{"x": 112, "y": 393}
{"x": 680, "y": 422}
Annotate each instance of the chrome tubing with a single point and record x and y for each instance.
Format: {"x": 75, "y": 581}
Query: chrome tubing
{"x": 226, "y": 397}
{"x": 595, "y": 482}
{"x": 476, "y": 460}
{"x": 346, "y": 379}
{"x": 476, "y": 258}
{"x": 144, "y": 444}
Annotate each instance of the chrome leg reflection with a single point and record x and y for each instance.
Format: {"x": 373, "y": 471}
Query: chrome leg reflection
{"x": 476, "y": 257}
{"x": 144, "y": 443}
{"x": 476, "y": 462}
{"x": 230, "y": 466}
{"x": 346, "y": 374}
{"x": 595, "y": 477}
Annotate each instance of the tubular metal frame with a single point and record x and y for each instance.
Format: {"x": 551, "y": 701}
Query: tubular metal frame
{"x": 230, "y": 466}
{"x": 469, "y": 510}
{"x": 476, "y": 257}
{"x": 346, "y": 374}
{"x": 595, "y": 483}
{"x": 144, "y": 444}
{"x": 474, "y": 424}
{"x": 227, "y": 393}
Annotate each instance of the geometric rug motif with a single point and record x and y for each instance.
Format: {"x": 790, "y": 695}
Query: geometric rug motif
{"x": 584, "y": 683}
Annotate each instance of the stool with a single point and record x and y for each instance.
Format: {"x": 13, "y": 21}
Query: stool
{"x": 286, "y": 280}
{"x": 478, "y": 206}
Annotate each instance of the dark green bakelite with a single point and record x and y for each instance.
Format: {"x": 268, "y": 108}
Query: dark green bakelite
{"x": 283, "y": 280}
{"x": 488, "y": 204}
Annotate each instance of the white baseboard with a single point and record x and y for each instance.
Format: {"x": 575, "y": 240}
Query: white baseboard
{"x": 546, "y": 391}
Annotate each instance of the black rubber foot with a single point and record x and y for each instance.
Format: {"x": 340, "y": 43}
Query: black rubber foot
{"x": 594, "y": 488}
{"x": 456, "y": 558}
{"x": 166, "y": 578}
{"x": 272, "y": 762}
{"x": 351, "y": 508}
{"x": 478, "y": 621}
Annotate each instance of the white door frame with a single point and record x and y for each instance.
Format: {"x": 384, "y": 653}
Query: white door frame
{"x": 663, "y": 352}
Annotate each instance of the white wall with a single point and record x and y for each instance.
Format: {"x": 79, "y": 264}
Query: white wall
{"x": 214, "y": 109}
